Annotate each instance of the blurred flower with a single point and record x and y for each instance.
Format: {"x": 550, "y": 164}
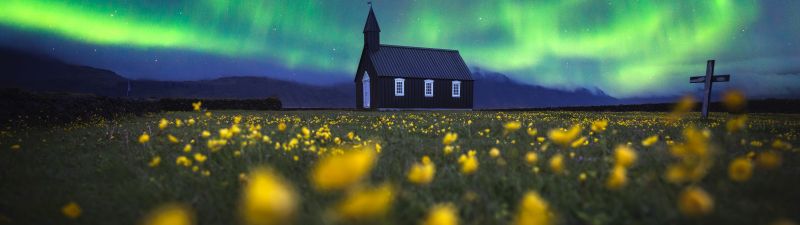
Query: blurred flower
{"x": 579, "y": 142}
{"x": 144, "y": 138}
{"x": 364, "y": 203}
{"x": 694, "y": 201}
{"x": 624, "y": 156}
{"x": 173, "y": 139}
{"x": 337, "y": 172}
{"x": 449, "y": 138}
{"x": 422, "y": 173}
{"x": 183, "y": 161}
{"x": 16, "y": 147}
{"x": 599, "y": 125}
{"x": 781, "y": 145}
{"x": 564, "y": 138}
{"x": 216, "y": 144}
{"x": 582, "y": 177}
{"x": 740, "y": 169}
{"x": 557, "y": 163}
{"x": 266, "y": 199}
{"x": 191, "y": 121}
{"x": 163, "y": 123}
{"x": 494, "y": 153}
{"x": 71, "y": 210}
{"x": 442, "y": 214}
{"x": 170, "y": 214}
{"x": 533, "y": 210}
{"x": 684, "y": 105}
{"x": 768, "y": 160}
{"x": 694, "y": 157}
{"x": 734, "y": 100}
{"x": 196, "y": 105}
{"x": 281, "y": 127}
{"x": 155, "y": 161}
{"x": 225, "y": 133}
{"x": 200, "y": 158}
{"x": 448, "y": 149}
{"x": 532, "y": 131}
{"x": 187, "y": 148}
{"x": 469, "y": 163}
{"x": 237, "y": 119}
{"x": 205, "y": 134}
{"x": 736, "y": 123}
{"x": 649, "y": 141}
{"x": 617, "y": 178}
{"x": 178, "y": 123}
{"x": 531, "y": 157}
{"x": 511, "y": 127}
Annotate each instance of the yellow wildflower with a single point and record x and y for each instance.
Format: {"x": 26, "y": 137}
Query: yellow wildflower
{"x": 599, "y": 125}
{"x": 337, "y": 172}
{"x": 266, "y": 199}
{"x": 422, "y": 173}
{"x": 71, "y": 210}
{"x": 582, "y": 177}
{"x": 494, "y": 153}
{"x": 178, "y": 123}
{"x": 533, "y": 210}
{"x": 740, "y": 169}
{"x": 781, "y": 145}
{"x": 173, "y": 139}
{"x": 442, "y": 214}
{"x": 144, "y": 138}
{"x": 237, "y": 119}
{"x": 183, "y": 161}
{"x": 617, "y": 179}
{"x": 736, "y": 123}
{"x": 649, "y": 141}
{"x": 531, "y": 157}
{"x": 163, "y": 123}
{"x": 532, "y": 131}
{"x": 734, "y": 100}
{"x": 511, "y": 127}
{"x": 449, "y": 138}
{"x": 225, "y": 133}
{"x": 187, "y": 148}
{"x": 200, "y": 158}
{"x": 579, "y": 142}
{"x": 694, "y": 201}
{"x": 564, "y": 138}
{"x": 170, "y": 214}
{"x": 768, "y": 160}
{"x": 155, "y": 161}
{"x": 557, "y": 163}
{"x": 205, "y": 134}
{"x": 540, "y": 139}
{"x": 448, "y": 149}
{"x": 364, "y": 203}
{"x": 469, "y": 164}
{"x": 624, "y": 156}
{"x": 196, "y": 105}
{"x": 191, "y": 121}
{"x": 216, "y": 144}
{"x": 685, "y": 104}
{"x": 281, "y": 127}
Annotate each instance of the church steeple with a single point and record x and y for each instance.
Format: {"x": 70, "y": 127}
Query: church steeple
{"x": 372, "y": 32}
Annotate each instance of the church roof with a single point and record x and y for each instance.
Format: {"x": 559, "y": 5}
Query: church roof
{"x": 372, "y": 22}
{"x": 416, "y": 62}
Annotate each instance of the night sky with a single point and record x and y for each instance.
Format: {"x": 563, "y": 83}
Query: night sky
{"x": 624, "y": 48}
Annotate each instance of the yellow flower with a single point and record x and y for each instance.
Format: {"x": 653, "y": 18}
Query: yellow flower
{"x": 183, "y": 161}
{"x": 191, "y": 121}
{"x": 216, "y": 144}
{"x": 15, "y": 147}
{"x": 532, "y": 131}
{"x": 649, "y": 141}
{"x": 187, "y": 148}
{"x": 740, "y": 169}
{"x": 781, "y": 145}
{"x": 205, "y": 134}
{"x": 200, "y": 157}
{"x": 364, "y": 203}
{"x": 579, "y": 142}
{"x": 694, "y": 201}
{"x": 494, "y": 153}
{"x": 511, "y": 127}
{"x": 173, "y": 139}
{"x": 422, "y": 173}
{"x": 564, "y": 138}
{"x": 540, "y": 139}
{"x": 281, "y": 127}
{"x": 449, "y": 138}
{"x": 155, "y": 161}
{"x": 225, "y": 133}
{"x": 337, "y": 172}
{"x": 624, "y": 156}
{"x": 196, "y": 105}
{"x": 170, "y": 214}
{"x": 617, "y": 179}
{"x": 266, "y": 198}
{"x": 685, "y": 104}
{"x": 442, "y": 214}
{"x": 599, "y": 125}
{"x": 71, "y": 210}
{"x": 533, "y": 210}
{"x": 178, "y": 123}
{"x": 448, "y": 149}
{"x": 237, "y": 119}
{"x": 736, "y": 123}
{"x": 144, "y": 138}
{"x": 557, "y": 163}
{"x": 768, "y": 160}
{"x": 582, "y": 177}
{"x": 531, "y": 157}
{"x": 469, "y": 164}
{"x": 163, "y": 123}
{"x": 734, "y": 100}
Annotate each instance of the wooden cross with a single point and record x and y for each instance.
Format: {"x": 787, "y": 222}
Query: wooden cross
{"x": 709, "y": 79}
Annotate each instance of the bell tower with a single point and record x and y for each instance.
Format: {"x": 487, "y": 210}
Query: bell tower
{"x": 372, "y": 32}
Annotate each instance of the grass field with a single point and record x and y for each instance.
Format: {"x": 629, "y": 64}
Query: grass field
{"x": 104, "y": 169}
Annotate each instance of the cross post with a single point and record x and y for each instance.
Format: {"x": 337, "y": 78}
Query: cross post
{"x": 708, "y": 80}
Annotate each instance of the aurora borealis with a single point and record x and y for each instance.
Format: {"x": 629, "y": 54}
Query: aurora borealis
{"x": 624, "y": 48}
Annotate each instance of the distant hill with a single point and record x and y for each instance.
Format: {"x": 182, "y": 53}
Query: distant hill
{"x": 492, "y": 90}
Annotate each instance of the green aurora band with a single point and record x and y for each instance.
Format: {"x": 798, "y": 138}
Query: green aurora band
{"x": 625, "y": 48}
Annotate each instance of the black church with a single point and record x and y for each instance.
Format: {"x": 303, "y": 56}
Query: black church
{"x": 392, "y": 77}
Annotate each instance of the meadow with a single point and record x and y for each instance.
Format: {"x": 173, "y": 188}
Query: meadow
{"x": 353, "y": 167}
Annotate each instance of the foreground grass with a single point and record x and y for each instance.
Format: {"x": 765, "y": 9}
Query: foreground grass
{"x": 102, "y": 167}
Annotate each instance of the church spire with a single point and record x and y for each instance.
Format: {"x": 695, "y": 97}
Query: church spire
{"x": 372, "y": 37}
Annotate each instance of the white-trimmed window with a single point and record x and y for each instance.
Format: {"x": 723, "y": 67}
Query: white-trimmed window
{"x": 428, "y": 88}
{"x": 399, "y": 87}
{"x": 456, "y": 89}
